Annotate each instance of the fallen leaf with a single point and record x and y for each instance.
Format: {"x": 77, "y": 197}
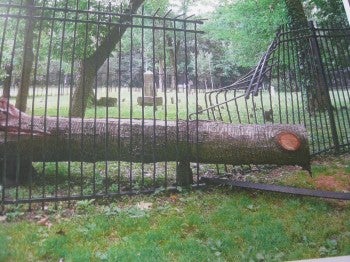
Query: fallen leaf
{"x": 173, "y": 198}
{"x": 3, "y": 218}
{"x": 44, "y": 222}
{"x": 144, "y": 205}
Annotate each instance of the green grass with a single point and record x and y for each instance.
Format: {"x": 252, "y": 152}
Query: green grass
{"x": 63, "y": 179}
{"x": 218, "y": 224}
{"x": 127, "y": 105}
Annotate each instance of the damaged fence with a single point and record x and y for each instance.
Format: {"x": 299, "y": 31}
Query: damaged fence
{"x": 99, "y": 101}
{"x": 303, "y": 78}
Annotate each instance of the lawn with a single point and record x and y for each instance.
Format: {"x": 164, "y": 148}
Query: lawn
{"x": 212, "y": 224}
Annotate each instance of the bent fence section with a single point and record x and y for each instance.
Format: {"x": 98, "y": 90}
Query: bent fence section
{"x": 303, "y": 78}
{"x": 107, "y": 101}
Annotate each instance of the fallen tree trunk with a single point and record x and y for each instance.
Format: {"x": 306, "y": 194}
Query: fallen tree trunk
{"x": 64, "y": 139}
{"x": 90, "y": 140}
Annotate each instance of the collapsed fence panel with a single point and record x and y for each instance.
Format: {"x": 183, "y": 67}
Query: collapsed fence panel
{"x": 303, "y": 78}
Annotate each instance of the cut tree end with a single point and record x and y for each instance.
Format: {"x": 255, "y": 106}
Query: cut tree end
{"x": 289, "y": 141}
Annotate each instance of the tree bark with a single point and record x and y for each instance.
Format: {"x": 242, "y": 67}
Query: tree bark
{"x": 161, "y": 82}
{"x": 23, "y": 90}
{"x": 7, "y": 81}
{"x": 296, "y": 14}
{"x": 314, "y": 85}
{"x": 64, "y": 139}
{"x": 173, "y": 52}
{"x": 28, "y": 58}
{"x": 89, "y": 66}
{"x": 54, "y": 139}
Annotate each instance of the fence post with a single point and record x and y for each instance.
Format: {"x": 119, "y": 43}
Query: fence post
{"x": 321, "y": 76}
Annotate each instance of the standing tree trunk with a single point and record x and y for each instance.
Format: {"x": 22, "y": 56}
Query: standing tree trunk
{"x": 314, "y": 85}
{"x": 173, "y": 51}
{"x": 89, "y": 66}
{"x": 28, "y": 58}
{"x": 296, "y": 13}
{"x": 84, "y": 88}
{"x": 7, "y": 81}
{"x": 161, "y": 75}
{"x": 18, "y": 169}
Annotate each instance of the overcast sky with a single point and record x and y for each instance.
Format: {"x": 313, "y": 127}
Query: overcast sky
{"x": 199, "y": 7}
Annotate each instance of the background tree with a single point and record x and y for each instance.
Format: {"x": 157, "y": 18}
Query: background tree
{"x": 28, "y": 58}
{"x": 314, "y": 84}
{"x": 90, "y": 64}
{"x": 246, "y": 28}
{"x": 242, "y": 30}
{"x": 326, "y": 12}
{"x": 295, "y": 13}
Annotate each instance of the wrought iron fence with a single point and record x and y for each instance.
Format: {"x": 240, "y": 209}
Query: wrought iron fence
{"x": 97, "y": 100}
{"x": 303, "y": 78}
{"x": 111, "y": 81}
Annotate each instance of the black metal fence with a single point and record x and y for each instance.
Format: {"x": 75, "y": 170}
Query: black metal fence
{"x": 83, "y": 70}
{"x": 303, "y": 78}
{"x": 105, "y": 95}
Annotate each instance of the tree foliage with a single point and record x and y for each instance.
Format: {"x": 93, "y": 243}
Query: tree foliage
{"x": 246, "y": 27}
{"x": 326, "y": 12}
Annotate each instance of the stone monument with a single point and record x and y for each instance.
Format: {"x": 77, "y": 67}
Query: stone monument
{"x": 150, "y": 97}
